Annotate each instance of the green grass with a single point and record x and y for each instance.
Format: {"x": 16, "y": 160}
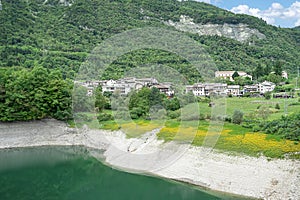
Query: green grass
{"x": 250, "y": 105}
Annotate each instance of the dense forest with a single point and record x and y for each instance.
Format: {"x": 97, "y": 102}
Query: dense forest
{"x": 56, "y": 35}
{"x": 44, "y": 43}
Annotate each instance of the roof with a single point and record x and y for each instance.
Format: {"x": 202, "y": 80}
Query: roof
{"x": 233, "y": 87}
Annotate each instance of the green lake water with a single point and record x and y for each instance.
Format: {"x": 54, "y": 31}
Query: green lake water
{"x": 69, "y": 173}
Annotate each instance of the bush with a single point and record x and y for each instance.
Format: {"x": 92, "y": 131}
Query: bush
{"x": 267, "y": 95}
{"x": 158, "y": 114}
{"x": 288, "y": 127}
{"x": 228, "y": 118}
{"x": 137, "y": 112}
{"x": 237, "y": 117}
{"x": 277, "y": 106}
{"x": 173, "y": 114}
{"x": 256, "y": 128}
{"x": 104, "y": 117}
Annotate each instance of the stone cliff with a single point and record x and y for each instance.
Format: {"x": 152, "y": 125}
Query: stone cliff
{"x": 239, "y": 32}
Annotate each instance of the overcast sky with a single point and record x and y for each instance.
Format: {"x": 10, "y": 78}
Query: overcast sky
{"x": 284, "y": 13}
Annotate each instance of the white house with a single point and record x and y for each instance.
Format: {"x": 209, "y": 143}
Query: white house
{"x": 266, "y": 86}
{"x": 284, "y": 74}
{"x": 233, "y": 90}
{"x": 197, "y": 89}
{"x": 112, "y": 87}
{"x": 228, "y": 75}
{"x": 206, "y": 89}
{"x": 250, "y": 89}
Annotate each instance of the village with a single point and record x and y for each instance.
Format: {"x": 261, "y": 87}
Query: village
{"x": 125, "y": 85}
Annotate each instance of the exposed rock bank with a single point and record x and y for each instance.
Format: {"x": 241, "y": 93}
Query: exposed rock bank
{"x": 239, "y": 32}
{"x": 247, "y": 176}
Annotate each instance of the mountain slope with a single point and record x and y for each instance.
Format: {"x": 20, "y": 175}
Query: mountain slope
{"x": 61, "y": 33}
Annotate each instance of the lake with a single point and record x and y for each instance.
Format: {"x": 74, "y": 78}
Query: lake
{"x": 71, "y": 173}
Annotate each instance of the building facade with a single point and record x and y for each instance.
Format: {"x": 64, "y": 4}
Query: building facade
{"x": 228, "y": 75}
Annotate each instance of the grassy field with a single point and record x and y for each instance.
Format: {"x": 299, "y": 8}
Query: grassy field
{"x": 230, "y": 138}
{"x": 249, "y": 106}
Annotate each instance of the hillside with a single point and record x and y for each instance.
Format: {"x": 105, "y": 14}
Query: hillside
{"x": 61, "y": 33}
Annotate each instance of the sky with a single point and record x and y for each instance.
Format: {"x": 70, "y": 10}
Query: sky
{"x": 283, "y": 13}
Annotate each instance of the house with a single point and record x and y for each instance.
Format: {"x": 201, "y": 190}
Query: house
{"x": 165, "y": 89}
{"x": 215, "y": 88}
{"x": 113, "y": 86}
{"x": 123, "y": 86}
{"x": 250, "y": 89}
{"x": 207, "y": 89}
{"x": 284, "y": 74}
{"x": 266, "y": 86}
{"x": 228, "y": 75}
{"x": 233, "y": 90}
{"x": 197, "y": 89}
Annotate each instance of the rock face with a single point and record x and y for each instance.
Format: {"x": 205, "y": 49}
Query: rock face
{"x": 239, "y": 32}
{"x": 66, "y": 2}
{"x": 61, "y": 2}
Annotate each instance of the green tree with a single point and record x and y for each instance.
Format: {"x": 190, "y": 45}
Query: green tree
{"x": 81, "y": 102}
{"x": 235, "y": 75}
{"x": 155, "y": 97}
{"x": 139, "y": 103}
{"x": 100, "y": 100}
{"x": 278, "y": 68}
{"x": 172, "y": 104}
{"x": 36, "y": 94}
{"x": 259, "y": 71}
{"x": 274, "y": 78}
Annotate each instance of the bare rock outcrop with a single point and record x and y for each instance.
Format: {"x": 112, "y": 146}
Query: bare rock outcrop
{"x": 239, "y": 32}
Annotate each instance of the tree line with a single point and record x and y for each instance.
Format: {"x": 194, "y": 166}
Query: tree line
{"x": 34, "y": 94}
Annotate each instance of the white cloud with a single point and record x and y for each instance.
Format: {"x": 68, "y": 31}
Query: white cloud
{"x": 274, "y": 13}
{"x": 277, "y": 6}
{"x": 297, "y": 23}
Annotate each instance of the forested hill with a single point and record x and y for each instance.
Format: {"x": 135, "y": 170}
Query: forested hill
{"x": 61, "y": 33}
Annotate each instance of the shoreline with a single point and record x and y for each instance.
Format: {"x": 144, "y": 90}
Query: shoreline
{"x": 238, "y": 175}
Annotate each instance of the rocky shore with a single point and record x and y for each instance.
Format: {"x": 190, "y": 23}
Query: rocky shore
{"x": 242, "y": 175}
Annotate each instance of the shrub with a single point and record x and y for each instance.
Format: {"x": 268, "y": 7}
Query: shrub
{"x": 104, "y": 117}
{"x": 159, "y": 114}
{"x": 267, "y": 95}
{"x": 228, "y": 118}
{"x": 256, "y": 128}
{"x": 237, "y": 117}
{"x": 287, "y": 127}
{"x": 173, "y": 114}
